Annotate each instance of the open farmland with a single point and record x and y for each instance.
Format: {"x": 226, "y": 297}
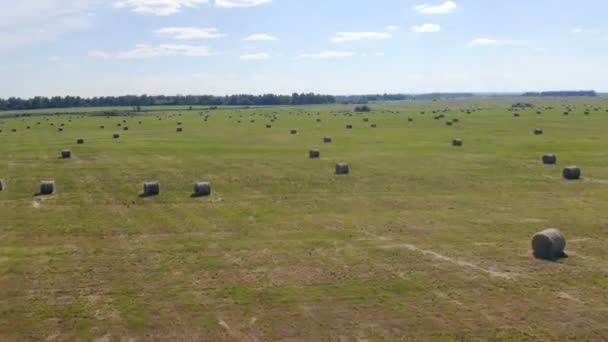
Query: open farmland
{"x": 422, "y": 240}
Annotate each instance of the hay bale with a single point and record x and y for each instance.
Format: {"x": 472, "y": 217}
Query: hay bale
{"x": 410, "y": 119}
{"x": 455, "y": 120}
{"x": 538, "y": 131}
{"x": 80, "y": 141}
{"x": 327, "y": 140}
{"x": 102, "y": 127}
{"x": 549, "y": 159}
{"x": 179, "y": 129}
{"x": 115, "y": 136}
{"x": 268, "y": 126}
{"x": 572, "y": 172}
{"x": 516, "y": 115}
{"x": 202, "y": 189}
{"x": 457, "y": 142}
{"x": 549, "y": 244}
{"x": 294, "y": 131}
{"x": 374, "y": 125}
{"x": 60, "y": 129}
{"x": 125, "y": 128}
{"x": 151, "y": 188}
{"x": 342, "y": 169}
{"x": 1, "y": 184}
{"x": 349, "y": 126}
{"x": 66, "y": 154}
{"x": 47, "y": 187}
{"x": 365, "y": 120}
{"x": 314, "y": 153}
{"x": 449, "y": 123}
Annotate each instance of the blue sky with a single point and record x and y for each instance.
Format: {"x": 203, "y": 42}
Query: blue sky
{"x": 117, "y": 47}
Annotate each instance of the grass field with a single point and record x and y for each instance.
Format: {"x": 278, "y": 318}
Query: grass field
{"x": 422, "y": 241}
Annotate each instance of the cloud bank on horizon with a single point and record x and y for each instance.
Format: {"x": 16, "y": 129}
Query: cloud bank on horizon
{"x": 115, "y": 47}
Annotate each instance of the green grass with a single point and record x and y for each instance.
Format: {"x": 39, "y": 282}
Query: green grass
{"x": 286, "y": 250}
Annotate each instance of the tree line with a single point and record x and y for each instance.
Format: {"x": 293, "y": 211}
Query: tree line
{"x": 40, "y": 102}
{"x": 587, "y": 93}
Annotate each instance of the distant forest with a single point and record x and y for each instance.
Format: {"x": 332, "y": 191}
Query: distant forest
{"x": 295, "y": 99}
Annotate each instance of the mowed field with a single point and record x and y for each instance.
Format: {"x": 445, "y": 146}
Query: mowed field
{"x": 422, "y": 241}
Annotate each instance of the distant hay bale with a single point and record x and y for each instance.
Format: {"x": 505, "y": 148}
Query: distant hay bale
{"x": 80, "y": 141}
{"x": 294, "y": 131}
{"x": 314, "y": 153}
{"x": 115, "y": 136}
{"x": 374, "y": 125}
{"x": 47, "y": 187}
{"x": 549, "y": 245}
{"x": 342, "y": 169}
{"x": 179, "y": 129}
{"x": 449, "y": 123}
{"x": 318, "y": 120}
{"x": 1, "y": 184}
{"x": 118, "y": 125}
{"x": 349, "y": 126}
{"x": 268, "y": 126}
{"x": 549, "y": 159}
{"x": 455, "y": 120}
{"x": 410, "y": 119}
{"x": 60, "y": 129}
{"x": 66, "y": 154}
{"x": 365, "y": 120}
{"x": 125, "y": 128}
{"x": 179, "y": 123}
{"x": 516, "y": 115}
{"x": 572, "y": 172}
{"x": 28, "y": 127}
{"x": 202, "y": 189}
{"x": 151, "y": 188}
{"x": 102, "y": 127}
{"x": 538, "y": 131}
{"x": 327, "y": 140}
{"x": 457, "y": 142}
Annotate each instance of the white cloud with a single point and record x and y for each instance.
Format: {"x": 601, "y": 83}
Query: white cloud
{"x": 392, "y": 28}
{"x": 240, "y": 3}
{"x": 260, "y": 37}
{"x": 28, "y": 22}
{"x": 444, "y": 8}
{"x": 342, "y": 37}
{"x": 256, "y": 57}
{"x": 578, "y": 30}
{"x": 158, "y": 7}
{"x": 189, "y": 33}
{"x": 489, "y": 42}
{"x": 327, "y": 55}
{"x": 426, "y": 28}
{"x": 143, "y": 51}
{"x": 100, "y": 54}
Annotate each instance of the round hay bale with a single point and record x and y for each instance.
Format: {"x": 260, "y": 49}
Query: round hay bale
{"x": 102, "y": 127}
{"x": 365, "y": 120}
{"x": 314, "y": 153}
{"x": 572, "y": 172}
{"x": 449, "y": 123}
{"x": 115, "y": 136}
{"x": 179, "y": 129}
{"x": 60, "y": 129}
{"x": 538, "y": 131}
{"x": 80, "y": 141}
{"x": 118, "y": 125}
{"x": 374, "y": 125}
{"x": 1, "y": 184}
{"x": 151, "y": 188}
{"x": 318, "y": 120}
{"x": 294, "y": 131}
{"x": 268, "y": 126}
{"x": 125, "y": 128}
{"x": 66, "y": 154}
{"x": 202, "y": 189}
{"x": 410, "y": 119}
{"x": 342, "y": 169}
{"x": 549, "y": 244}
{"x": 549, "y": 159}
{"x": 28, "y": 127}
{"x": 516, "y": 115}
{"x": 327, "y": 140}
{"x": 349, "y": 126}
{"x": 47, "y": 187}
{"x": 179, "y": 123}
{"x": 457, "y": 142}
